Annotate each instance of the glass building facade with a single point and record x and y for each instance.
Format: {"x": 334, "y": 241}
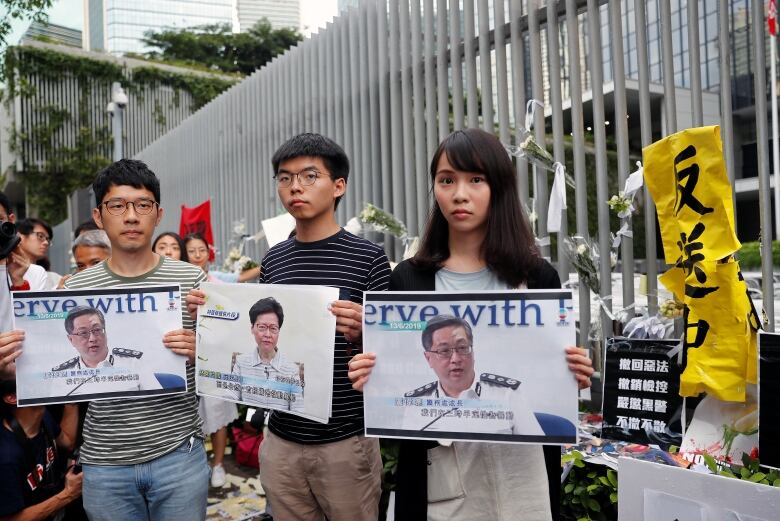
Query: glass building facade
{"x": 122, "y": 24}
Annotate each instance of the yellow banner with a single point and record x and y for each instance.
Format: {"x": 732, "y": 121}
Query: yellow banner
{"x": 687, "y": 179}
{"x": 686, "y": 176}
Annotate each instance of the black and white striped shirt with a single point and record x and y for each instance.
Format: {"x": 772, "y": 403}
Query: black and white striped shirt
{"x": 132, "y": 431}
{"x": 353, "y": 265}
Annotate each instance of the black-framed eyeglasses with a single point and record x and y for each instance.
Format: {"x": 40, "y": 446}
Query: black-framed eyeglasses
{"x": 120, "y": 206}
{"x": 43, "y": 237}
{"x": 306, "y": 177}
{"x": 446, "y": 353}
{"x": 84, "y": 335}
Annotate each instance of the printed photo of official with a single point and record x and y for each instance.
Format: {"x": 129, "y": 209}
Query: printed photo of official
{"x": 466, "y": 396}
{"x": 266, "y": 377}
{"x": 97, "y": 368}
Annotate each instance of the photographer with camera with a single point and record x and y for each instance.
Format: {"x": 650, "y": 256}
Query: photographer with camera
{"x": 35, "y": 482}
{"x": 24, "y": 275}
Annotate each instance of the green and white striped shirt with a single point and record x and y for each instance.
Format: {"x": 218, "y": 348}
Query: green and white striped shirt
{"x": 131, "y": 431}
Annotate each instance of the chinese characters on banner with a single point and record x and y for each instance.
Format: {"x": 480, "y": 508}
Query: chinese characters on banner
{"x": 686, "y": 176}
{"x": 641, "y": 392}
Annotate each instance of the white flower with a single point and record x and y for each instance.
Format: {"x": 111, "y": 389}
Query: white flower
{"x": 613, "y": 258}
{"x": 582, "y": 249}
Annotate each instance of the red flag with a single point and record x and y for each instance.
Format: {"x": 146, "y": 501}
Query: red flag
{"x": 198, "y": 220}
{"x": 772, "y": 17}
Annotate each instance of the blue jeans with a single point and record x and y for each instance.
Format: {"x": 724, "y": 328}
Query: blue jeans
{"x": 173, "y": 487}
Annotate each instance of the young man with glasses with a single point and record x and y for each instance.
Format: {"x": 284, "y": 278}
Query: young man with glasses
{"x": 310, "y": 470}
{"x": 276, "y": 381}
{"x": 36, "y": 238}
{"x": 143, "y": 458}
{"x": 24, "y": 274}
{"x": 448, "y": 347}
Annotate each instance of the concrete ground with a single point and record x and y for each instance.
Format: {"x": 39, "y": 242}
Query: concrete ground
{"x": 242, "y": 496}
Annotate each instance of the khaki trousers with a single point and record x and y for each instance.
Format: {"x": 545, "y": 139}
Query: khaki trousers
{"x": 307, "y": 482}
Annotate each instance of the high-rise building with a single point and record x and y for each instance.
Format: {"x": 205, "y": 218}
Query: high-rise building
{"x": 346, "y": 4}
{"x": 52, "y": 33}
{"x": 281, "y": 13}
{"x": 118, "y": 26}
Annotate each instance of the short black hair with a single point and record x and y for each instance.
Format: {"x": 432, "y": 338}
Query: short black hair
{"x": 26, "y": 226}
{"x": 315, "y": 145}
{"x": 266, "y": 305}
{"x": 5, "y": 203}
{"x": 78, "y": 311}
{"x": 84, "y": 227}
{"x": 440, "y": 321}
{"x": 125, "y": 172}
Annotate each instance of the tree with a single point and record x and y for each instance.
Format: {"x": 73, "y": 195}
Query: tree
{"x": 20, "y": 10}
{"x": 218, "y": 48}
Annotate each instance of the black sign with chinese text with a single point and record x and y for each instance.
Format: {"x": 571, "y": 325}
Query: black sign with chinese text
{"x": 768, "y": 391}
{"x": 642, "y": 403}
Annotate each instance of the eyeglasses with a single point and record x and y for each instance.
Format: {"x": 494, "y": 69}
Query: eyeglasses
{"x": 42, "y": 237}
{"x": 84, "y": 335}
{"x": 120, "y": 206}
{"x": 270, "y": 329}
{"x": 446, "y": 353}
{"x": 306, "y": 177}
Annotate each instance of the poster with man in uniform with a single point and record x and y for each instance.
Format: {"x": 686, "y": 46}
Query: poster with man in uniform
{"x": 470, "y": 367}
{"x": 84, "y": 344}
{"x": 269, "y": 346}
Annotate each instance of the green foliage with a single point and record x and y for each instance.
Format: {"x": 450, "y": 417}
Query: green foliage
{"x": 21, "y": 10}
{"x": 589, "y": 492}
{"x": 749, "y": 255}
{"x": 218, "y": 48}
{"x": 750, "y": 470}
{"x": 73, "y": 165}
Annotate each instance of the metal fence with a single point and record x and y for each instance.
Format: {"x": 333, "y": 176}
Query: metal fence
{"x": 388, "y": 80}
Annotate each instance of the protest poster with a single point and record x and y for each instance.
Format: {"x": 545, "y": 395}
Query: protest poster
{"x": 269, "y": 346}
{"x": 686, "y": 176}
{"x": 97, "y": 344}
{"x": 768, "y": 391}
{"x": 487, "y": 366}
{"x": 641, "y": 402}
{"x": 654, "y": 492}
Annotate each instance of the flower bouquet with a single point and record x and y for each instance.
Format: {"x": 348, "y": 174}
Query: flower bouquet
{"x": 383, "y": 222}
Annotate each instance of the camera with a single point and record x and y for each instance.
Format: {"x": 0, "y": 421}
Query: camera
{"x": 8, "y": 238}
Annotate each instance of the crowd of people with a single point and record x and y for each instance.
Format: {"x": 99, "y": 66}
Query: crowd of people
{"x": 144, "y": 458}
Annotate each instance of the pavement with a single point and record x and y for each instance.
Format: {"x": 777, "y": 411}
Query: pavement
{"x": 241, "y": 498}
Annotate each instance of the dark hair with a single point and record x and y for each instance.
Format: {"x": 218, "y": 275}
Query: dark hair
{"x": 5, "y": 203}
{"x": 315, "y": 145}
{"x": 178, "y": 239}
{"x": 266, "y": 305}
{"x": 193, "y": 236}
{"x": 7, "y": 386}
{"x": 78, "y": 311}
{"x": 26, "y": 226}
{"x": 440, "y": 321}
{"x": 84, "y": 227}
{"x": 125, "y": 172}
{"x": 44, "y": 263}
{"x": 509, "y": 248}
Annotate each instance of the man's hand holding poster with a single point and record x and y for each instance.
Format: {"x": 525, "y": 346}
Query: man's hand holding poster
{"x": 97, "y": 344}
{"x": 487, "y": 366}
{"x": 268, "y": 346}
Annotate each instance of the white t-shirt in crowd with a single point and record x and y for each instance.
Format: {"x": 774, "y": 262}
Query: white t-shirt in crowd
{"x": 38, "y": 278}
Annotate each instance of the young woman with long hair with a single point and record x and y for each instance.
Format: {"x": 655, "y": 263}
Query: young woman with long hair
{"x": 477, "y": 238}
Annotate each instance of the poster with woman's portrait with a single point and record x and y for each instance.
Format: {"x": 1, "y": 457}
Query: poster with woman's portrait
{"x": 268, "y": 346}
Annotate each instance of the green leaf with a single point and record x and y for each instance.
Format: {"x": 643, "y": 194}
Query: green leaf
{"x": 744, "y": 472}
{"x": 606, "y": 482}
{"x": 727, "y": 473}
{"x": 593, "y": 487}
{"x": 613, "y": 497}
{"x": 568, "y": 488}
{"x": 579, "y": 463}
{"x": 612, "y": 476}
{"x": 591, "y": 474}
{"x": 776, "y": 483}
{"x": 594, "y": 505}
{"x": 758, "y": 476}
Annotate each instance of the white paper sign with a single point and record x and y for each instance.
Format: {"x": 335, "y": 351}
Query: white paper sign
{"x": 666, "y": 507}
{"x": 269, "y": 346}
{"x": 487, "y": 366}
{"x": 277, "y": 229}
{"x": 97, "y": 344}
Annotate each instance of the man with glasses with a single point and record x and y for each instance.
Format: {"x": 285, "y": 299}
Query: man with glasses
{"x": 86, "y": 330}
{"x": 448, "y": 343}
{"x": 36, "y": 238}
{"x": 267, "y": 377}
